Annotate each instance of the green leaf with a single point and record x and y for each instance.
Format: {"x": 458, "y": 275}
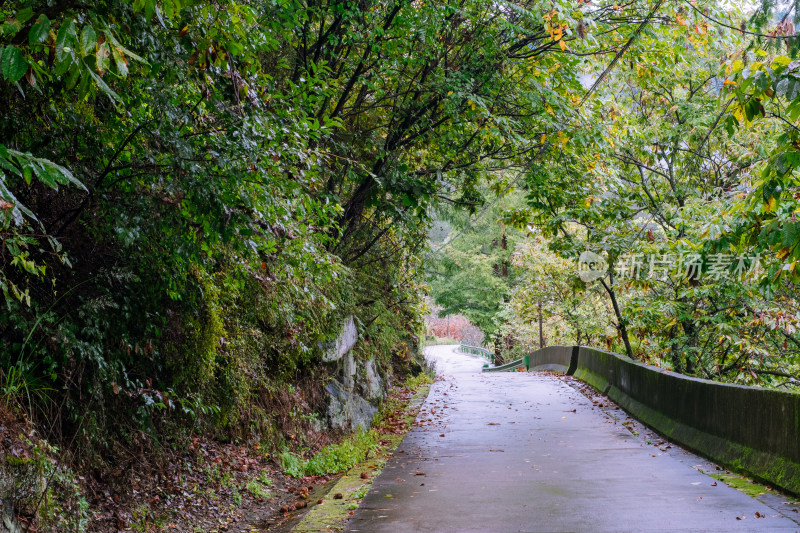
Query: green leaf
{"x": 752, "y": 108}
{"x": 103, "y": 58}
{"x": 88, "y": 40}
{"x": 103, "y": 86}
{"x": 27, "y": 174}
{"x": 793, "y": 110}
{"x": 171, "y": 8}
{"x": 119, "y": 59}
{"x": 18, "y": 209}
{"x": 14, "y": 64}
{"x": 48, "y": 172}
{"x": 40, "y": 31}
{"x": 24, "y": 15}
{"x": 11, "y": 27}
{"x": 65, "y": 39}
{"x": 122, "y": 50}
{"x": 62, "y": 65}
{"x": 62, "y": 174}
{"x": 85, "y": 83}
{"x": 74, "y": 75}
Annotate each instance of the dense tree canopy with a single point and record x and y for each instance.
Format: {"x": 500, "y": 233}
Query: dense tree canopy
{"x": 685, "y": 189}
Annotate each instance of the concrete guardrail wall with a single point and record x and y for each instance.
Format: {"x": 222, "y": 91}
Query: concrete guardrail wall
{"x": 749, "y": 429}
{"x": 511, "y": 366}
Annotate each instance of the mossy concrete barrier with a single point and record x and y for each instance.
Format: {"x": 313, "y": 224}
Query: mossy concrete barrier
{"x": 556, "y": 358}
{"x": 749, "y": 429}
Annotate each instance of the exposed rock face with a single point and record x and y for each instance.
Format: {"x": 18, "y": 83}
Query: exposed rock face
{"x": 372, "y": 384}
{"x": 21, "y": 484}
{"x": 344, "y": 342}
{"x": 347, "y": 408}
{"x": 349, "y": 371}
{"x": 7, "y": 522}
{"x": 348, "y": 411}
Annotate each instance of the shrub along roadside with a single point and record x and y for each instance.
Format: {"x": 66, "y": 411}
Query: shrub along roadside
{"x": 195, "y": 487}
{"x": 358, "y": 446}
{"x": 391, "y": 425}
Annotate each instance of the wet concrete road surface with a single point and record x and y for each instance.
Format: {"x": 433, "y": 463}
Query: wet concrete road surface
{"x": 528, "y": 452}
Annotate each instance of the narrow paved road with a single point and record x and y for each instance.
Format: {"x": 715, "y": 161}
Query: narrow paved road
{"x": 528, "y": 452}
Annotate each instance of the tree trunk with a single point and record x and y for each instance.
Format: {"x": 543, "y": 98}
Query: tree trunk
{"x": 675, "y": 355}
{"x": 623, "y": 331}
{"x": 498, "y": 351}
{"x": 541, "y": 332}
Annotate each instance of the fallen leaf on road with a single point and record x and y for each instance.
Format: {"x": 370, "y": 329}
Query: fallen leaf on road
{"x": 714, "y": 484}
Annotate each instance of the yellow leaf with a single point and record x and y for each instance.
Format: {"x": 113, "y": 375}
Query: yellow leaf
{"x": 563, "y": 45}
{"x": 782, "y": 61}
{"x": 771, "y": 203}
